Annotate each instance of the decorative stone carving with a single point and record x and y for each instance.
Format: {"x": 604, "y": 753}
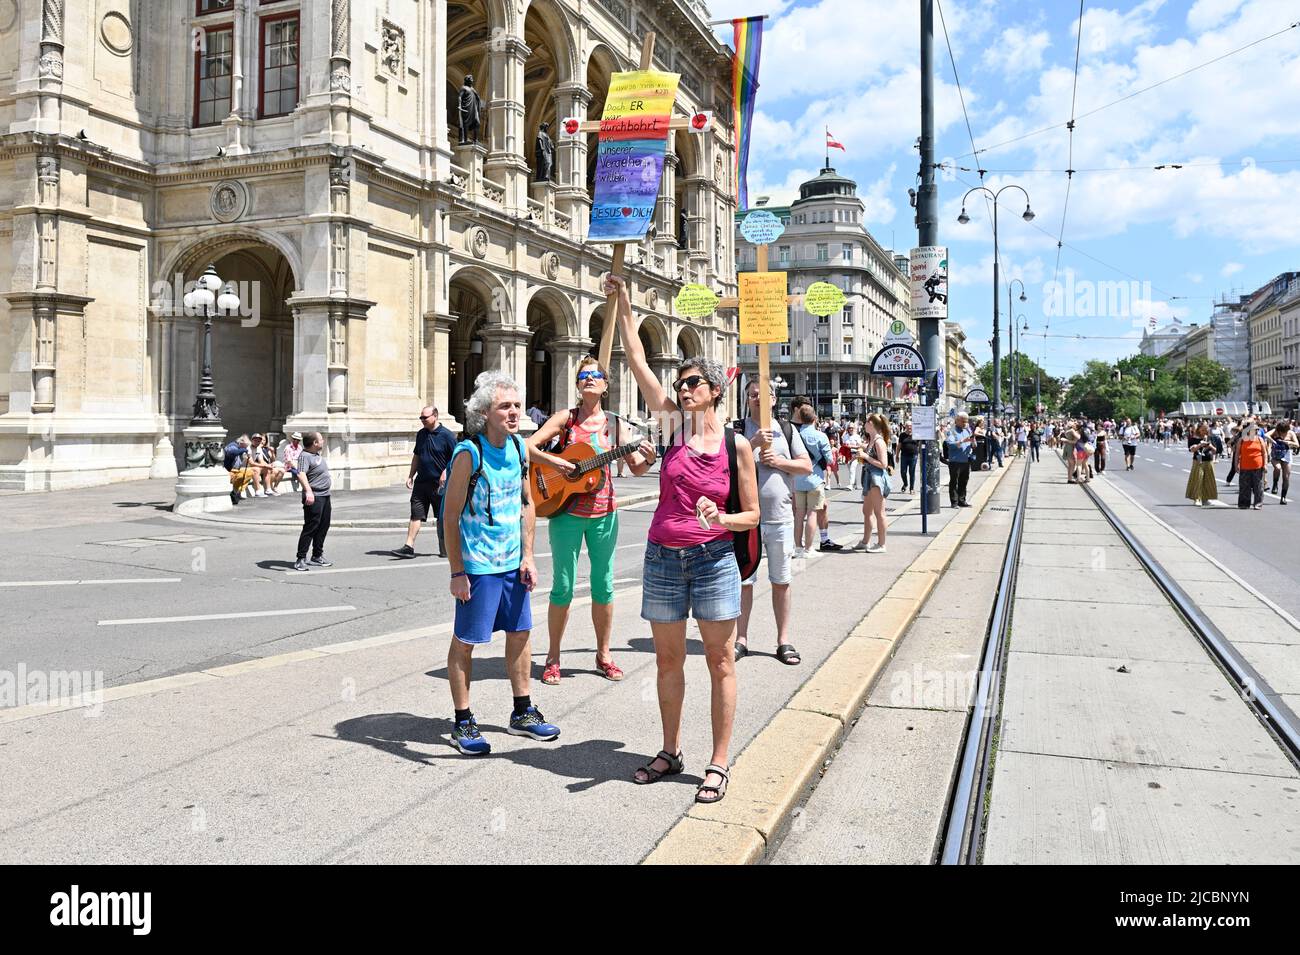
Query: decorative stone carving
{"x": 51, "y": 65}
{"x": 339, "y": 35}
{"x": 341, "y": 80}
{"x": 52, "y": 22}
{"x": 392, "y": 50}
{"x": 340, "y": 172}
{"x": 116, "y": 34}
{"x": 551, "y": 265}
{"x": 478, "y": 242}
{"x": 229, "y": 200}
{"x": 717, "y": 170}
{"x": 652, "y": 299}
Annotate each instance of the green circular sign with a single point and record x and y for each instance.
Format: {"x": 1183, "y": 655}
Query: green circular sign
{"x": 897, "y": 327}
{"x": 695, "y": 301}
{"x": 822, "y": 298}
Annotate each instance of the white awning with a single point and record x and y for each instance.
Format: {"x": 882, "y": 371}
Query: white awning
{"x": 1232, "y": 409}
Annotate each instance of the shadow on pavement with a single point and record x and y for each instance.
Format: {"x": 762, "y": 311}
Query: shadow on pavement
{"x": 589, "y": 763}
{"x": 275, "y": 564}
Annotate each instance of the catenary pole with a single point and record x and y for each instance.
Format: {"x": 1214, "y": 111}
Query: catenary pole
{"x": 927, "y": 227}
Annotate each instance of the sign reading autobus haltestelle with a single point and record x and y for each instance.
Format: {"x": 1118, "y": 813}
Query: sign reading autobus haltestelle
{"x": 977, "y": 395}
{"x": 898, "y": 361}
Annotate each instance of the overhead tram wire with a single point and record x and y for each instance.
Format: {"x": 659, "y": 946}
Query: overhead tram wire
{"x": 1145, "y": 89}
{"x": 1069, "y": 162}
{"x": 1159, "y": 167}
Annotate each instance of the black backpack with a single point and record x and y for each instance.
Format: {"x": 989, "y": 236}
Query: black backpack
{"x": 478, "y": 472}
{"x": 747, "y": 545}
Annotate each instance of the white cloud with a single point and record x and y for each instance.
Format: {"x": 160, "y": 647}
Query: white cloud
{"x": 1196, "y": 278}
{"x": 1208, "y": 14}
{"x": 1107, "y": 30}
{"x": 1231, "y": 268}
{"x": 1017, "y": 51}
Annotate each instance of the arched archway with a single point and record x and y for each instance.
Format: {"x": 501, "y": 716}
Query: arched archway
{"x": 252, "y": 352}
{"x": 689, "y": 344}
{"x": 470, "y": 26}
{"x": 552, "y": 62}
{"x": 688, "y": 165}
{"x": 601, "y": 65}
{"x": 550, "y": 317}
{"x": 475, "y": 297}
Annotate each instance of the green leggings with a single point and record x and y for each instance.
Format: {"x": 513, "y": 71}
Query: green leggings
{"x": 567, "y": 532}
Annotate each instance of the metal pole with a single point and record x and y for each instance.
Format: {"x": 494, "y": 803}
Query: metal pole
{"x": 997, "y": 341}
{"x": 927, "y": 230}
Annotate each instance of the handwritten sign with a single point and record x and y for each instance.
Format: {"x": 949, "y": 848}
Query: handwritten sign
{"x": 761, "y": 227}
{"x": 763, "y": 311}
{"x": 630, "y": 157}
{"x": 695, "y": 301}
{"x": 822, "y": 298}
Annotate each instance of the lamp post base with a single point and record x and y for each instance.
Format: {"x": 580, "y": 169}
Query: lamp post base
{"x": 204, "y": 485}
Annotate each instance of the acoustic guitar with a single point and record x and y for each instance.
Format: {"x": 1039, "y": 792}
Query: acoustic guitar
{"x": 553, "y": 489}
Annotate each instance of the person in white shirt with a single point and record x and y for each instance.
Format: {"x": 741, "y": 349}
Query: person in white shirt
{"x": 853, "y": 441}
{"x": 1129, "y": 437}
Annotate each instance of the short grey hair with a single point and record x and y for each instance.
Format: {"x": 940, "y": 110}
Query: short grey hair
{"x": 712, "y": 371}
{"x": 486, "y": 387}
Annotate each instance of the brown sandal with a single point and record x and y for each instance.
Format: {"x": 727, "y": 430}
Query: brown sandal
{"x": 675, "y": 765}
{"x": 718, "y": 791}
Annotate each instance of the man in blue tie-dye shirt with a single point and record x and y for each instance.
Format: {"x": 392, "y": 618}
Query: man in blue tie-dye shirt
{"x": 490, "y": 550}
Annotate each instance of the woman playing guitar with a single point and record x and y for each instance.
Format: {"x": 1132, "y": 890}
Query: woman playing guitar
{"x": 592, "y": 516}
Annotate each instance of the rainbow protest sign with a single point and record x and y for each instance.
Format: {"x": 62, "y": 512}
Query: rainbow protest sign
{"x": 630, "y": 158}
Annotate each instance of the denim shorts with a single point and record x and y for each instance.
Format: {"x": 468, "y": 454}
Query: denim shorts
{"x": 702, "y": 581}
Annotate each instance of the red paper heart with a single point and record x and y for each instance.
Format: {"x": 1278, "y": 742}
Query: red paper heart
{"x": 732, "y": 374}
{"x": 570, "y": 126}
{"x": 698, "y": 120}
{"x": 627, "y": 210}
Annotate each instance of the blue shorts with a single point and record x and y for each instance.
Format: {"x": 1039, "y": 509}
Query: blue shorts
{"x": 702, "y": 581}
{"x": 496, "y": 602}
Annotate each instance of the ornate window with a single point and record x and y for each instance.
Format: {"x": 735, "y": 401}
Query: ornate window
{"x": 212, "y": 69}
{"x": 213, "y": 6}
{"x": 279, "y": 65}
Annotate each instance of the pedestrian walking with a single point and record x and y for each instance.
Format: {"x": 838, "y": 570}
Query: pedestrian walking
{"x": 875, "y": 483}
{"x": 490, "y": 552}
{"x": 1035, "y": 441}
{"x": 810, "y": 501}
{"x": 851, "y": 442}
{"x": 1283, "y": 444}
{"x": 434, "y": 447}
{"x": 958, "y": 449}
{"x": 591, "y": 517}
{"x": 1252, "y": 453}
{"x": 314, "y": 478}
{"x": 779, "y": 457}
{"x": 1099, "y": 454}
{"x": 708, "y": 491}
{"x": 1201, "y": 486}
{"x": 908, "y": 451}
{"x": 1129, "y": 440}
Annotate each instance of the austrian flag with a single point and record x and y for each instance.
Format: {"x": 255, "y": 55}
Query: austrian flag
{"x": 831, "y": 143}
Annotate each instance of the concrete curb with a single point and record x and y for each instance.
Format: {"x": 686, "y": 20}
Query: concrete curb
{"x": 774, "y": 771}
{"x": 384, "y": 524}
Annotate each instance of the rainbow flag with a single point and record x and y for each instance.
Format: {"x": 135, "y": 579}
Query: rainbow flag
{"x": 748, "y": 43}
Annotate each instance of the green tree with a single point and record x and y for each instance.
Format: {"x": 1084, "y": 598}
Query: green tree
{"x": 1029, "y": 382}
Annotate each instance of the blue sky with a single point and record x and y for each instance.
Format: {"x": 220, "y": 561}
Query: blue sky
{"x": 1227, "y": 222}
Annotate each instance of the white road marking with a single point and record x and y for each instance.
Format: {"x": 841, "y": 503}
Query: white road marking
{"x": 226, "y": 616}
{"x": 1165, "y": 465}
{"x": 400, "y": 565}
{"x": 70, "y": 583}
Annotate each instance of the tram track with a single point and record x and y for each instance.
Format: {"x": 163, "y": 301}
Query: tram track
{"x": 963, "y": 831}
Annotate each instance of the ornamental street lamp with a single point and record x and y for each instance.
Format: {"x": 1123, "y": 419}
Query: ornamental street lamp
{"x": 204, "y": 298}
{"x": 1028, "y": 216}
{"x": 1015, "y": 349}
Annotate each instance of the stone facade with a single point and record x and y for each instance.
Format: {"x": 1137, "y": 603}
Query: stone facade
{"x": 310, "y": 152}
{"x": 828, "y": 358}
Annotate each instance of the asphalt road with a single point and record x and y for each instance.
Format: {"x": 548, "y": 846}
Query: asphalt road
{"x": 1259, "y": 546}
{"x": 104, "y": 594}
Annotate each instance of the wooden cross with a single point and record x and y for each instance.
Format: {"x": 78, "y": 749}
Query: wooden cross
{"x": 764, "y": 359}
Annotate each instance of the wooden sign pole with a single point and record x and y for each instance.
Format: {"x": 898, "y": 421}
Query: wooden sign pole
{"x": 764, "y": 358}
{"x": 620, "y": 248}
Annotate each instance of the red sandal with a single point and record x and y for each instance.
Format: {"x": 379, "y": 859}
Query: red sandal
{"x": 551, "y": 675}
{"x": 610, "y": 670}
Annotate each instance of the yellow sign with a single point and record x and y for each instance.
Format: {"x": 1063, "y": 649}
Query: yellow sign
{"x": 763, "y": 311}
{"x": 696, "y": 301}
{"x": 822, "y": 298}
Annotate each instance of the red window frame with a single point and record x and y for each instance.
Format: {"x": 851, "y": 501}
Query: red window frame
{"x": 198, "y": 61}
{"x": 261, "y": 63}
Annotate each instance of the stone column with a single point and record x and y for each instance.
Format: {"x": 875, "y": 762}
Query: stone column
{"x": 340, "y": 68}
{"x": 437, "y": 357}
{"x": 38, "y": 318}
{"x": 507, "y": 163}
{"x": 505, "y": 347}
{"x": 50, "y": 66}
{"x": 572, "y": 99}
{"x": 162, "y": 323}
{"x": 328, "y": 353}
{"x": 665, "y": 244}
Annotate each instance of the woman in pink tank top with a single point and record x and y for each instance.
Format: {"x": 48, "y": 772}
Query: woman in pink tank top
{"x": 690, "y": 568}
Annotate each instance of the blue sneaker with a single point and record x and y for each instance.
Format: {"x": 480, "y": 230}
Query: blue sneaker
{"x": 531, "y": 723}
{"x": 466, "y": 738}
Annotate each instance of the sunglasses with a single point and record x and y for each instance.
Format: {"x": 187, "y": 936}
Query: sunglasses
{"x": 690, "y": 381}
{"x": 584, "y": 375}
